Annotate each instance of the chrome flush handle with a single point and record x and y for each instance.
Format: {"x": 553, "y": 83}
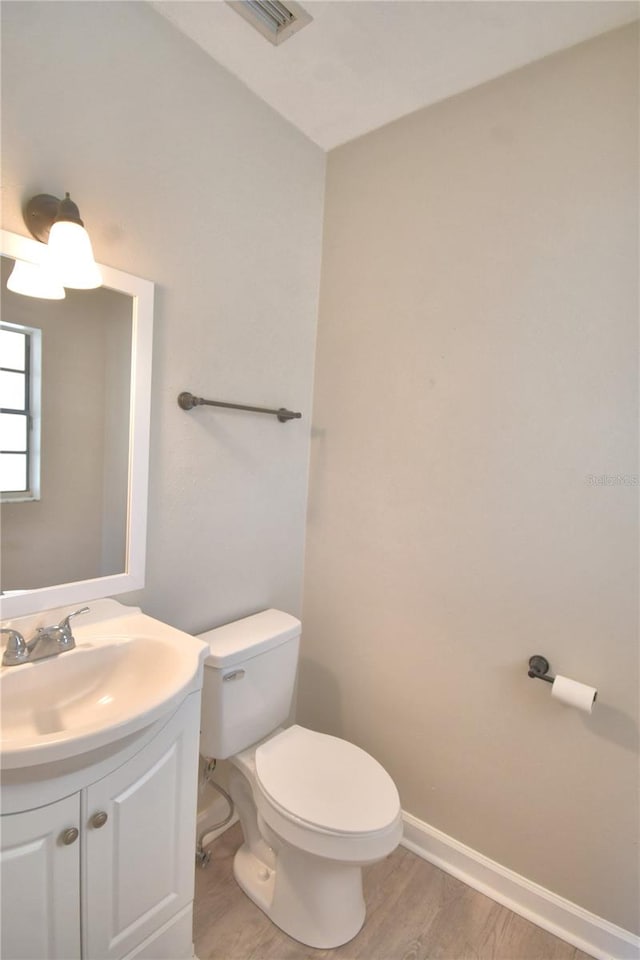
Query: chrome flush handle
{"x": 234, "y": 675}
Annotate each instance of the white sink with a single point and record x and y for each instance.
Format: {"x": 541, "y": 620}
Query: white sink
{"x": 126, "y": 672}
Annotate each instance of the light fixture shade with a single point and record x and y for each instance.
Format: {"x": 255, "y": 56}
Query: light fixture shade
{"x": 32, "y": 280}
{"x": 69, "y": 256}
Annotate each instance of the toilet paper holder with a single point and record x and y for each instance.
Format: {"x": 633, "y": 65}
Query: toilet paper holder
{"x": 539, "y": 668}
{"x": 567, "y": 691}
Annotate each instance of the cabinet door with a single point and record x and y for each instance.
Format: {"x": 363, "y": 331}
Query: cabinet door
{"x": 139, "y": 863}
{"x": 40, "y": 876}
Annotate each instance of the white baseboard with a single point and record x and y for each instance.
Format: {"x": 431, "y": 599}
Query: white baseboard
{"x": 588, "y": 932}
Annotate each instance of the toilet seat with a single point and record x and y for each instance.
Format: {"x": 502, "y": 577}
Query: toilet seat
{"x": 325, "y": 784}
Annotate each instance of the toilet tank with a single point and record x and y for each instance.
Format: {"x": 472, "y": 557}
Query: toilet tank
{"x": 249, "y": 677}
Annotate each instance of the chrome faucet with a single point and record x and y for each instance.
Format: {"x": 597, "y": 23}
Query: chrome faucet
{"x": 47, "y": 642}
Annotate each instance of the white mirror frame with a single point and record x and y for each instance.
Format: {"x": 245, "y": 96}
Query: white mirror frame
{"x": 141, "y": 291}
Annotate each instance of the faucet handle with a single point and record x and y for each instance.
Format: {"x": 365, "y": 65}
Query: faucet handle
{"x": 64, "y": 624}
{"x": 16, "y": 650}
{"x": 66, "y": 637}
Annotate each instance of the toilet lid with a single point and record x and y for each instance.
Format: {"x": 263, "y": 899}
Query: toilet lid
{"x": 327, "y": 782}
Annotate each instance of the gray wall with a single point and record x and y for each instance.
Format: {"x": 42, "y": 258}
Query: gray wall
{"x": 185, "y": 177}
{"x": 476, "y": 368}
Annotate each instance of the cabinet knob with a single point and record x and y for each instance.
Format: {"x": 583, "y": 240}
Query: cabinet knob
{"x": 99, "y": 819}
{"x": 69, "y": 836}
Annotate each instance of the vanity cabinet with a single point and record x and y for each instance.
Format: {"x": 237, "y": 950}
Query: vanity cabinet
{"x": 107, "y": 873}
{"x": 40, "y": 883}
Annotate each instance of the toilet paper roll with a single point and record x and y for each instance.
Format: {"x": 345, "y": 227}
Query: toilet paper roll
{"x": 573, "y": 693}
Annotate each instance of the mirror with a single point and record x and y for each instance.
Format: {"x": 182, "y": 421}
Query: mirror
{"x": 79, "y": 532}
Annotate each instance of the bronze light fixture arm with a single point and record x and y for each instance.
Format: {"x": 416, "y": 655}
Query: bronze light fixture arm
{"x": 43, "y": 210}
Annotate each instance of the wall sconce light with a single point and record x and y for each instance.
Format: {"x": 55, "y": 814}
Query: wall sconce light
{"x": 69, "y": 253}
{"x": 67, "y": 260}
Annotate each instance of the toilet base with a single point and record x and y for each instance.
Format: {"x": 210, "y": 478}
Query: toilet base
{"x": 316, "y": 901}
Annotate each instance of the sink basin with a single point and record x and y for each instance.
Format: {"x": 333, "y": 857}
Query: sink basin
{"x": 125, "y": 673}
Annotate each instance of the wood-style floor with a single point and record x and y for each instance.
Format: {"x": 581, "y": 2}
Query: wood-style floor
{"x": 414, "y": 912}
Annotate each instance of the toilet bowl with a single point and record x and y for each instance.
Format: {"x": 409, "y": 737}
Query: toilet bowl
{"x": 314, "y": 809}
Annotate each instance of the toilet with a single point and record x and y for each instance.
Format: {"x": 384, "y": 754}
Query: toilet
{"x": 314, "y": 809}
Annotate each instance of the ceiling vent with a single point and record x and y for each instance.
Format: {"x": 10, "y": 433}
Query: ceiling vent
{"x": 274, "y": 20}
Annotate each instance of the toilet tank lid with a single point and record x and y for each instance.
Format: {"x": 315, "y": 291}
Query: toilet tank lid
{"x": 249, "y": 637}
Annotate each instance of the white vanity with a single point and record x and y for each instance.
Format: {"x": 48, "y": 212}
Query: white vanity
{"x": 99, "y": 756}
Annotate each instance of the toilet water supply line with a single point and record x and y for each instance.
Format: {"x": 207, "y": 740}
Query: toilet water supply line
{"x": 203, "y": 856}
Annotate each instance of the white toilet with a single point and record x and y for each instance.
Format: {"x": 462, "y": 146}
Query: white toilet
{"x": 314, "y": 809}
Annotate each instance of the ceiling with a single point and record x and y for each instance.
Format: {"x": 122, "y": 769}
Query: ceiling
{"x": 362, "y": 63}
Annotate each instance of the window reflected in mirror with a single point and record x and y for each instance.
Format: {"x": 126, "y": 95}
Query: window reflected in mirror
{"x": 20, "y": 387}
